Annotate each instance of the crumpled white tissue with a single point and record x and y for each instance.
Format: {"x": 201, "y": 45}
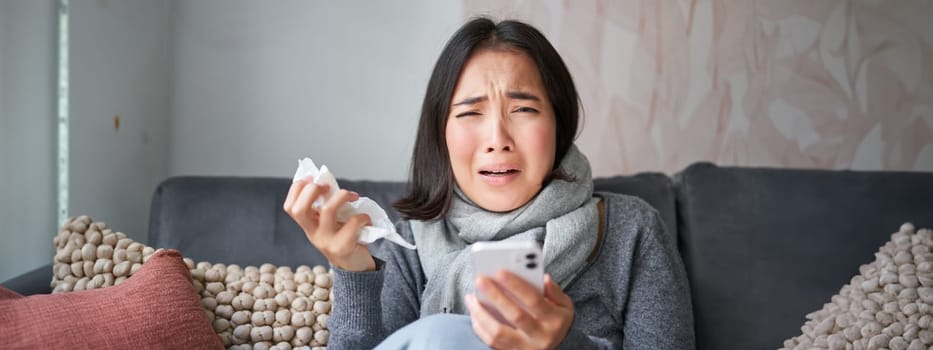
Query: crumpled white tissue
{"x": 381, "y": 227}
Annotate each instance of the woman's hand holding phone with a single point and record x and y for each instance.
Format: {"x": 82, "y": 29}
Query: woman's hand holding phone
{"x": 514, "y": 313}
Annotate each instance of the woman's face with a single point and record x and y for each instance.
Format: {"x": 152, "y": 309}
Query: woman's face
{"x": 501, "y": 131}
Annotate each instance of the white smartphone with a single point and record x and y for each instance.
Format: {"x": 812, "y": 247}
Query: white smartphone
{"x": 523, "y": 258}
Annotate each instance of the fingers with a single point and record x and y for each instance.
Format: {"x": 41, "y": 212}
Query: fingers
{"x": 349, "y": 233}
{"x": 301, "y": 207}
{"x": 538, "y": 319}
{"x": 293, "y": 192}
{"x": 492, "y": 332}
{"x": 299, "y": 204}
{"x": 328, "y": 219}
{"x": 553, "y": 293}
{"x": 510, "y": 308}
{"x": 523, "y": 292}
{"x": 338, "y": 242}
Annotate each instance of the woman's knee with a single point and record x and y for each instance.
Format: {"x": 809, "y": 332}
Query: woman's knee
{"x": 439, "y": 331}
{"x": 439, "y": 322}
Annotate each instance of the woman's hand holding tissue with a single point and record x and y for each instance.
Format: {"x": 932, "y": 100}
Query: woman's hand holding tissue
{"x": 338, "y": 242}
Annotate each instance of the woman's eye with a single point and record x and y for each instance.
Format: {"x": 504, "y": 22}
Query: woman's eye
{"x": 466, "y": 114}
{"x": 526, "y": 110}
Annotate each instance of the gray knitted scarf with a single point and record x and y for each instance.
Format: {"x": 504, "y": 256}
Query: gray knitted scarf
{"x": 563, "y": 217}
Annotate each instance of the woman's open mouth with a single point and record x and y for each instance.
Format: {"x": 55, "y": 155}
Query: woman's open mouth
{"x": 498, "y": 172}
{"x": 499, "y": 177}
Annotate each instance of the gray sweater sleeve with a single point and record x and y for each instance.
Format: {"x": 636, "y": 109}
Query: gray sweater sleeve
{"x": 369, "y": 306}
{"x": 659, "y": 314}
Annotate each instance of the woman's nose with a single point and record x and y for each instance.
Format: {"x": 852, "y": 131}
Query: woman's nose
{"x": 500, "y": 138}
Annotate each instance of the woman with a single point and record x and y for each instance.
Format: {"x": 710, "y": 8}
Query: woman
{"x": 494, "y": 160}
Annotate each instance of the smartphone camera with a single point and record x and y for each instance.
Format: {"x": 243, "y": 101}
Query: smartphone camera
{"x": 530, "y": 262}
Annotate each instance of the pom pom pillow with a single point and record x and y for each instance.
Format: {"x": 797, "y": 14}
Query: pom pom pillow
{"x": 250, "y": 307}
{"x": 889, "y": 305}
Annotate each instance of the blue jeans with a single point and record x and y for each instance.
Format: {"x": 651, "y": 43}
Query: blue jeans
{"x": 439, "y": 331}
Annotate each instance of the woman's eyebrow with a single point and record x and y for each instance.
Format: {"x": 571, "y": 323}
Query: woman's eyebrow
{"x": 471, "y": 100}
{"x": 518, "y": 95}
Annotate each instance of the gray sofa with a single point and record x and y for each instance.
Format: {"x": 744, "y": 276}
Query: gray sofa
{"x": 762, "y": 246}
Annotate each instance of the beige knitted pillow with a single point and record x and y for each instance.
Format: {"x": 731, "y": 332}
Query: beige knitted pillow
{"x": 889, "y": 305}
{"x": 264, "y": 307}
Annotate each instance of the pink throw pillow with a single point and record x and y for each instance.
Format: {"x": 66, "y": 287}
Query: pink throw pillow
{"x": 157, "y": 308}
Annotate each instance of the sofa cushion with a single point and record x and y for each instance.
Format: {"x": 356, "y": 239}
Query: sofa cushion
{"x": 763, "y": 247}
{"x": 32, "y": 282}
{"x": 157, "y": 308}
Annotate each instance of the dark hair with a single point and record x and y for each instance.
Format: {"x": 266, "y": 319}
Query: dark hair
{"x": 431, "y": 183}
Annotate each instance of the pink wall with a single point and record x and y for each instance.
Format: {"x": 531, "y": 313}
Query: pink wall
{"x": 811, "y": 84}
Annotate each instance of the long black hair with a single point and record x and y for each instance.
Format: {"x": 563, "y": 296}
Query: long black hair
{"x": 431, "y": 183}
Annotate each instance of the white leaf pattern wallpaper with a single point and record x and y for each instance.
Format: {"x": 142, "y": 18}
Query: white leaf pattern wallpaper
{"x": 828, "y": 84}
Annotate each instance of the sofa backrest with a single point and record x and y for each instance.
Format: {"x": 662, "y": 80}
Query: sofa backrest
{"x": 240, "y": 219}
{"x": 764, "y": 247}
{"x": 655, "y": 188}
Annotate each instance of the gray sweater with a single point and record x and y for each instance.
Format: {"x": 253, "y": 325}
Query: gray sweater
{"x": 633, "y": 295}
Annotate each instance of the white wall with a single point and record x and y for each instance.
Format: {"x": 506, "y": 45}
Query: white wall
{"x": 27, "y": 134}
{"x": 258, "y": 84}
{"x": 241, "y": 88}
{"x": 120, "y": 64}
{"x": 209, "y": 87}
